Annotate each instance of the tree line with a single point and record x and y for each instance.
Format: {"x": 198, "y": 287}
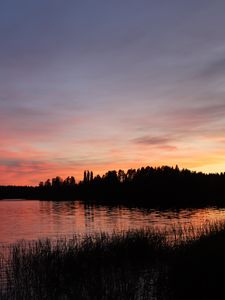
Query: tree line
{"x": 151, "y": 186}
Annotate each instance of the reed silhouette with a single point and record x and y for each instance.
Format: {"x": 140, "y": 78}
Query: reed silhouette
{"x": 138, "y": 264}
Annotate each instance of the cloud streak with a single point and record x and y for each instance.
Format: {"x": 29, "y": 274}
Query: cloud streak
{"x": 162, "y": 143}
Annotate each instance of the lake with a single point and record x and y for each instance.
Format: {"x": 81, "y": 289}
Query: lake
{"x": 29, "y": 220}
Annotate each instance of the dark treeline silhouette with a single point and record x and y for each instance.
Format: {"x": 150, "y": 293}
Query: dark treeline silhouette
{"x": 161, "y": 186}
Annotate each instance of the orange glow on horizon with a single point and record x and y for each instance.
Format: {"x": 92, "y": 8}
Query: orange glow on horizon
{"x": 33, "y": 174}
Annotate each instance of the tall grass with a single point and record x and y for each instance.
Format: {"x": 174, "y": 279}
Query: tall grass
{"x": 102, "y": 266}
{"x": 197, "y": 266}
{"x": 137, "y": 264}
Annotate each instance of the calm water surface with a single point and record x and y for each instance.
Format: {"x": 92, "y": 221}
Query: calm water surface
{"x": 29, "y": 220}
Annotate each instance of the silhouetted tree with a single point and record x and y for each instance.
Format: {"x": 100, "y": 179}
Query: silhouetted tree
{"x": 130, "y": 174}
{"x": 47, "y": 183}
{"x": 41, "y": 184}
{"x": 121, "y": 176}
{"x": 57, "y": 182}
{"x": 72, "y": 181}
{"x": 111, "y": 177}
{"x": 85, "y": 177}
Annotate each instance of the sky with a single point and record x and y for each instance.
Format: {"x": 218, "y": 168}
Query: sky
{"x": 104, "y": 85}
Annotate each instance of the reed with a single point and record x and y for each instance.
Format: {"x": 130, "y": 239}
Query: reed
{"x": 136, "y": 264}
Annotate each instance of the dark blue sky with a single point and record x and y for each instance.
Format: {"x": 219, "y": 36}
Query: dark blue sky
{"x": 110, "y": 84}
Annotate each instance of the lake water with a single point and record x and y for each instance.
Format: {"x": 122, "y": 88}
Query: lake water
{"x": 29, "y": 220}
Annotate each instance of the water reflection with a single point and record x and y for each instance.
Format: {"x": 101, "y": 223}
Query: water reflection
{"x": 39, "y": 219}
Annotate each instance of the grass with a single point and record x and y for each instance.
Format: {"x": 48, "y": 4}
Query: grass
{"x": 197, "y": 268}
{"x": 143, "y": 264}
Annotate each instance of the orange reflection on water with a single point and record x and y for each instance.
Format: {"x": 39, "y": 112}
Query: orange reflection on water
{"x": 40, "y": 219}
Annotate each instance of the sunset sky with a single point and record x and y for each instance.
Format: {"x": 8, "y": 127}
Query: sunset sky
{"x": 102, "y": 85}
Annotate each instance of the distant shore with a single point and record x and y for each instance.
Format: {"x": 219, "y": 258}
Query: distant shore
{"x": 152, "y": 187}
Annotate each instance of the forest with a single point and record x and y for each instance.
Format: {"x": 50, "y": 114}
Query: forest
{"x": 148, "y": 186}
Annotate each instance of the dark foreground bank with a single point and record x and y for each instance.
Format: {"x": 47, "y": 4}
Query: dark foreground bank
{"x": 143, "y": 264}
